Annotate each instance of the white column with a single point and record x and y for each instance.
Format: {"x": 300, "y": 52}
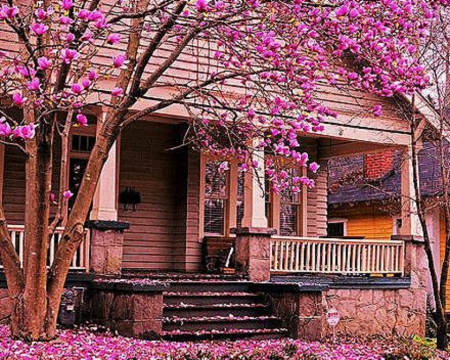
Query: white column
{"x": 105, "y": 200}
{"x": 410, "y": 219}
{"x": 254, "y": 197}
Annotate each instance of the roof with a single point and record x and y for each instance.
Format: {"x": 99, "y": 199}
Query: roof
{"x": 347, "y": 182}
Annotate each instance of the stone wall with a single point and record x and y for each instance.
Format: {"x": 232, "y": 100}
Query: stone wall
{"x": 131, "y": 310}
{"x": 387, "y": 312}
{"x": 5, "y": 306}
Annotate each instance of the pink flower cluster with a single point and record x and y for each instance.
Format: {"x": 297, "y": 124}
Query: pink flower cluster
{"x": 84, "y": 344}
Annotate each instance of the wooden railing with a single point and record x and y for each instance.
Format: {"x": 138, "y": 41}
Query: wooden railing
{"x": 79, "y": 262}
{"x": 336, "y": 256}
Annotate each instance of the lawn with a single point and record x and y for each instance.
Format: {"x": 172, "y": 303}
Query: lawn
{"x": 86, "y": 344}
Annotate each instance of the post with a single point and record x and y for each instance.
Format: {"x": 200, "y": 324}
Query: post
{"x": 106, "y": 231}
{"x": 254, "y": 197}
{"x": 410, "y": 219}
{"x": 105, "y": 200}
{"x": 253, "y": 239}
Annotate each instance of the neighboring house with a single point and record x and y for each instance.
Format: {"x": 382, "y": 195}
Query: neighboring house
{"x": 364, "y": 197}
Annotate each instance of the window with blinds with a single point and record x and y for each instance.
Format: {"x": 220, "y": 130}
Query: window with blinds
{"x": 240, "y": 199}
{"x": 289, "y": 209}
{"x": 216, "y": 199}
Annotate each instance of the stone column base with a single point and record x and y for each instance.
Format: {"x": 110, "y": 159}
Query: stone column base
{"x": 106, "y": 246}
{"x": 253, "y": 252}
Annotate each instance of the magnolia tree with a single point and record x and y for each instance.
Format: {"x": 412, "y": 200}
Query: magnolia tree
{"x": 260, "y": 64}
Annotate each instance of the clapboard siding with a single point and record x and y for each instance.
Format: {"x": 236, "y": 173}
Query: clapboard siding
{"x": 155, "y": 238}
{"x": 14, "y": 182}
{"x": 367, "y": 220}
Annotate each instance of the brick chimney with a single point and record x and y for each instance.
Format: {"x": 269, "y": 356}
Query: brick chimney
{"x": 378, "y": 164}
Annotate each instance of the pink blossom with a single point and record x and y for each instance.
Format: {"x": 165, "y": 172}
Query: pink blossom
{"x": 18, "y": 99}
{"x": 7, "y": 12}
{"x": 67, "y": 194}
{"x": 377, "y": 110}
{"x": 119, "y": 61}
{"x": 82, "y": 120}
{"x": 77, "y": 89}
{"x": 67, "y": 4}
{"x": 92, "y": 75}
{"x": 68, "y": 55}
{"x": 87, "y": 36}
{"x": 314, "y": 167}
{"x": 223, "y": 166}
{"x": 44, "y": 63}
{"x": 84, "y": 14}
{"x": 39, "y": 29}
{"x": 202, "y": 5}
{"x": 86, "y": 83}
{"x": 113, "y": 39}
{"x": 117, "y": 91}
{"x": 65, "y": 20}
{"x": 5, "y": 129}
{"x": 25, "y": 132}
{"x": 34, "y": 84}
{"x": 52, "y": 197}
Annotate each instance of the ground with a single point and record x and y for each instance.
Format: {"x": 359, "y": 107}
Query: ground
{"x": 87, "y": 344}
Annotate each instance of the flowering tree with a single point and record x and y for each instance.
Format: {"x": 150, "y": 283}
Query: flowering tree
{"x": 259, "y": 65}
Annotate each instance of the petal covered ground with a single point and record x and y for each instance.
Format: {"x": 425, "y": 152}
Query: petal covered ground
{"x": 85, "y": 344}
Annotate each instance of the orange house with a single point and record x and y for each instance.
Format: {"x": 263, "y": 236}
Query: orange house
{"x": 364, "y": 198}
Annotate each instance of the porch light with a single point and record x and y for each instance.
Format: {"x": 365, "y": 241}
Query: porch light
{"x": 130, "y": 198}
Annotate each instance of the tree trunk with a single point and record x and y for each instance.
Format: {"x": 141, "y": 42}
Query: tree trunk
{"x": 30, "y": 311}
{"x": 442, "y": 336}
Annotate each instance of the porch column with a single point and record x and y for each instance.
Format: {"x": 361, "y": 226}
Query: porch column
{"x": 253, "y": 239}
{"x": 410, "y": 220}
{"x": 254, "y": 197}
{"x": 105, "y": 200}
{"x": 106, "y": 231}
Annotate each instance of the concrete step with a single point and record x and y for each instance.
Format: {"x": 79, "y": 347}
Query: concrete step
{"x": 210, "y": 286}
{"x": 251, "y": 334}
{"x": 217, "y": 323}
{"x": 210, "y": 298}
{"x": 252, "y": 309}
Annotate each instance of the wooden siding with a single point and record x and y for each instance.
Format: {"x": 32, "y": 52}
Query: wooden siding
{"x": 13, "y": 192}
{"x": 317, "y": 197}
{"x": 365, "y": 220}
{"x": 155, "y": 236}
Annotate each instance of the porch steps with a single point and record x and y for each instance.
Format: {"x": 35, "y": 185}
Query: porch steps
{"x": 221, "y": 309}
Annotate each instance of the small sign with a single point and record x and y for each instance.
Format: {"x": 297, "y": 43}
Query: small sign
{"x": 70, "y": 307}
{"x": 333, "y": 317}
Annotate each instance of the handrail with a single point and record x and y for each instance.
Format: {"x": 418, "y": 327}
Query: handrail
{"x": 336, "y": 256}
{"x": 80, "y": 260}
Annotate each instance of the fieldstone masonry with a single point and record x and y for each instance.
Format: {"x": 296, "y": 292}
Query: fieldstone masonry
{"x": 133, "y": 310}
{"x": 106, "y": 246}
{"x": 253, "y": 252}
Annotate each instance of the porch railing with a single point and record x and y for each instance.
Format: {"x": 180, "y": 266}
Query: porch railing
{"x": 336, "y": 256}
{"x": 80, "y": 260}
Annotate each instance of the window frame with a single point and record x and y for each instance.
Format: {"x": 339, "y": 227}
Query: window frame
{"x": 344, "y": 221}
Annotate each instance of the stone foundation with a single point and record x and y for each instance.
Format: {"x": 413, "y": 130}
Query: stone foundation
{"x": 386, "y": 312}
{"x": 106, "y": 246}
{"x": 132, "y": 310}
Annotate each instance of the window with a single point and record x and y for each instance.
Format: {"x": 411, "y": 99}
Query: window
{"x": 240, "y": 198}
{"x": 397, "y": 225}
{"x": 82, "y": 143}
{"x": 216, "y": 199}
{"x": 290, "y": 209}
{"x": 337, "y": 228}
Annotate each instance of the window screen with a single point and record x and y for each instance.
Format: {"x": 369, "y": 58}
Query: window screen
{"x": 335, "y": 229}
{"x": 240, "y": 199}
{"x": 83, "y": 143}
{"x": 289, "y": 209}
{"x": 216, "y": 198}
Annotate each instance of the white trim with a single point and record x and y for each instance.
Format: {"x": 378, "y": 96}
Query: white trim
{"x": 337, "y": 221}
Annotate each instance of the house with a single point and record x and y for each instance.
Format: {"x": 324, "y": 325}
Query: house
{"x": 364, "y": 197}
{"x": 157, "y": 204}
